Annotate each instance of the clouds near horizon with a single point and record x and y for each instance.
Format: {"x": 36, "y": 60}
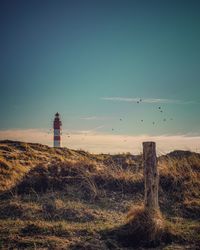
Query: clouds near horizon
{"x": 96, "y": 142}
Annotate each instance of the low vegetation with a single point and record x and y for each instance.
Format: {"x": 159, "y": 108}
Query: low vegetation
{"x": 66, "y": 199}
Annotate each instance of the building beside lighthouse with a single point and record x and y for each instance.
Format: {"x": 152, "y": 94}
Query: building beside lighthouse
{"x": 57, "y": 130}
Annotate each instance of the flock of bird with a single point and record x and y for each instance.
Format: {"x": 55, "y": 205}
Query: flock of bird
{"x": 138, "y": 102}
{"x": 159, "y": 109}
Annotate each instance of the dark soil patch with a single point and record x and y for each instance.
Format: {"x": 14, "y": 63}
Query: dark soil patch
{"x": 11, "y": 210}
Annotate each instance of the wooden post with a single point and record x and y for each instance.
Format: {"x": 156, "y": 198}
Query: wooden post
{"x": 151, "y": 177}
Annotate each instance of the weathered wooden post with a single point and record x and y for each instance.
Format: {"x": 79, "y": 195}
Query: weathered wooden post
{"x": 151, "y": 177}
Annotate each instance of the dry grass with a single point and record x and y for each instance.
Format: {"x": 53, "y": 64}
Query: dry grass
{"x": 66, "y": 199}
{"x": 144, "y": 228}
{"x": 180, "y": 182}
{"x": 10, "y": 173}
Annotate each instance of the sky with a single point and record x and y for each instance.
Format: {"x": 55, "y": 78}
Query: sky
{"x": 118, "y": 71}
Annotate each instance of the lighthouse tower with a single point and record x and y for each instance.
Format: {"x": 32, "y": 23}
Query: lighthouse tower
{"x": 57, "y": 130}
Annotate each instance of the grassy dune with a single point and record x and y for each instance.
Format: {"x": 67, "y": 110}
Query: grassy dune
{"x": 66, "y": 199}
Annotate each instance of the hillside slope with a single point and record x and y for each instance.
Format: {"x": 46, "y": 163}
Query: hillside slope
{"x": 66, "y": 199}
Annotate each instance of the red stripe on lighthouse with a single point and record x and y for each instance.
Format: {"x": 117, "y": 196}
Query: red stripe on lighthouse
{"x": 57, "y": 138}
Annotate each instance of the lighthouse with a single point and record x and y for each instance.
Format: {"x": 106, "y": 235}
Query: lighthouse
{"x": 57, "y": 130}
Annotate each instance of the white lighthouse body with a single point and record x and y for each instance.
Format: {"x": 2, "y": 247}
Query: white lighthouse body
{"x": 57, "y": 131}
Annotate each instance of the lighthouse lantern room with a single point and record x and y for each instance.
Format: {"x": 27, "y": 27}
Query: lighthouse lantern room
{"x": 57, "y": 130}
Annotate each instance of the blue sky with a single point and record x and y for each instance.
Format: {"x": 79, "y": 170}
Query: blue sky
{"x": 92, "y": 60}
